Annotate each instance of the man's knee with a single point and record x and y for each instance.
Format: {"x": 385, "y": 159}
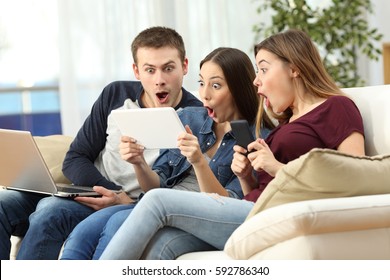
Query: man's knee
{"x": 54, "y": 210}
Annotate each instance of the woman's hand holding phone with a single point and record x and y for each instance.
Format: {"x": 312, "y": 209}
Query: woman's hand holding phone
{"x": 243, "y": 134}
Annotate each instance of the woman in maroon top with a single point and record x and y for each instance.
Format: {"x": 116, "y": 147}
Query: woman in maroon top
{"x": 312, "y": 113}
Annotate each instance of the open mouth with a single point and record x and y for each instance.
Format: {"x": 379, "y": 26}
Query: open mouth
{"x": 210, "y": 112}
{"x": 162, "y": 97}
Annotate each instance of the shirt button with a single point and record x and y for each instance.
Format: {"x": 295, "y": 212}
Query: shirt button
{"x": 223, "y": 144}
{"x": 213, "y": 160}
{"x": 208, "y": 143}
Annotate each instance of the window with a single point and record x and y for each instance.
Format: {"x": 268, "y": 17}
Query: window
{"x": 29, "y": 95}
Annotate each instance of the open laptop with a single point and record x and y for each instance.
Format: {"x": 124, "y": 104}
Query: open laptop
{"x": 23, "y": 168}
{"x": 154, "y": 128}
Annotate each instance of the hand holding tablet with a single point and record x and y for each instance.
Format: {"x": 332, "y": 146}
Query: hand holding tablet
{"x": 153, "y": 128}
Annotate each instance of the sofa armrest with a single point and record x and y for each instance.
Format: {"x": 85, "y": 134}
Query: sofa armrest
{"x": 315, "y": 217}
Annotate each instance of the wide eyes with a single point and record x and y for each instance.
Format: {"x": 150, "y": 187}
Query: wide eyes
{"x": 151, "y": 70}
{"x": 214, "y": 85}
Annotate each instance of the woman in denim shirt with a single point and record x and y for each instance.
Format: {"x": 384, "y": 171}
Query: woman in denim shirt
{"x": 202, "y": 160}
{"x": 202, "y": 127}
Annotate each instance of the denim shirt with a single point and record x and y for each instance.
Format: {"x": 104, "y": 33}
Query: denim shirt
{"x": 172, "y": 166}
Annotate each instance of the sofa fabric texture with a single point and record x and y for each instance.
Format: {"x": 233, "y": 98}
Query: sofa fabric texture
{"x": 53, "y": 149}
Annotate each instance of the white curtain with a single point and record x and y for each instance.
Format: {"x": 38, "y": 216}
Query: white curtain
{"x": 95, "y": 38}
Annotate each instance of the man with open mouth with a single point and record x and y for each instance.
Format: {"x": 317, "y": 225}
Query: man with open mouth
{"x": 93, "y": 159}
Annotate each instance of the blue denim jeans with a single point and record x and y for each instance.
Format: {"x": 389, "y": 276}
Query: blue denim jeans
{"x": 50, "y": 224}
{"x": 169, "y": 243}
{"x": 90, "y": 237}
{"x": 43, "y": 221}
{"x": 15, "y": 208}
{"x": 208, "y": 217}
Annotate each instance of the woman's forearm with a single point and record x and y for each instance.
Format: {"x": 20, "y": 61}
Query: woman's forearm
{"x": 207, "y": 181}
{"x": 248, "y": 184}
{"x": 147, "y": 178}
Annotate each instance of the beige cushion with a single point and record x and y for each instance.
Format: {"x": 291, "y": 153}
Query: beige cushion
{"x": 325, "y": 173}
{"x": 53, "y": 149}
{"x": 284, "y": 223}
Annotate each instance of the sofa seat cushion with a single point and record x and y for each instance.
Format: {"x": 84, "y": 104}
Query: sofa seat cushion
{"x": 53, "y": 149}
{"x": 326, "y": 173}
{"x": 308, "y": 219}
{"x": 372, "y": 244}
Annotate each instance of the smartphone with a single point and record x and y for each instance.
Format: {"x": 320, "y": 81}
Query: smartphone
{"x": 242, "y": 133}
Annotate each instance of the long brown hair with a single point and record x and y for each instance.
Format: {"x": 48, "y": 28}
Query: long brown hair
{"x": 295, "y": 47}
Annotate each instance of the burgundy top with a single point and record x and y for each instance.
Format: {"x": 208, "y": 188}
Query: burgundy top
{"x": 326, "y": 126}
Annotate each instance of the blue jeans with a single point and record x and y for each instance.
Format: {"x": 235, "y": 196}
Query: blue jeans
{"x": 208, "y": 217}
{"x": 90, "y": 237}
{"x": 169, "y": 243}
{"x": 43, "y": 221}
{"x": 15, "y": 208}
{"x": 50, "y": 224}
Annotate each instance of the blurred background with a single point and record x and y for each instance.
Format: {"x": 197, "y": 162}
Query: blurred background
{"x": 57, "y": 55}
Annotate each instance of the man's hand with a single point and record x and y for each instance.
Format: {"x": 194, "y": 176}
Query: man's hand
{"x": 109, "y": 198}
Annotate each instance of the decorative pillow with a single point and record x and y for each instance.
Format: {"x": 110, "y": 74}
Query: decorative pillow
{"x": 325, "y": 173}
{"x": 53, "y": 149}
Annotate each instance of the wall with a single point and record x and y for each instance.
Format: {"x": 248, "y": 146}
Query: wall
{"x": 381, "y": 20}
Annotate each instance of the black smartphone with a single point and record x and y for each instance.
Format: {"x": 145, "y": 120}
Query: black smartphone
{"x": 242, "y": 133}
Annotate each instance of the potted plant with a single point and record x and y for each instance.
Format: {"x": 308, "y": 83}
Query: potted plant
{"x": 339, "y": 29}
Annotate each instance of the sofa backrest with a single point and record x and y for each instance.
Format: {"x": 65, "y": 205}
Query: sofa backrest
{"x": 372, "y": 102}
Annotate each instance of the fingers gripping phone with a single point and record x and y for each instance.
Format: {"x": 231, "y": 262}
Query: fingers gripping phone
{"x": 242, "y": 133}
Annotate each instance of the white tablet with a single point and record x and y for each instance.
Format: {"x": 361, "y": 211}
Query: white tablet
{"x": 154, "y": 128}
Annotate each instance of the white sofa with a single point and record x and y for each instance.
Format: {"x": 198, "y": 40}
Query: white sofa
{"x": 347, "y": 218}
